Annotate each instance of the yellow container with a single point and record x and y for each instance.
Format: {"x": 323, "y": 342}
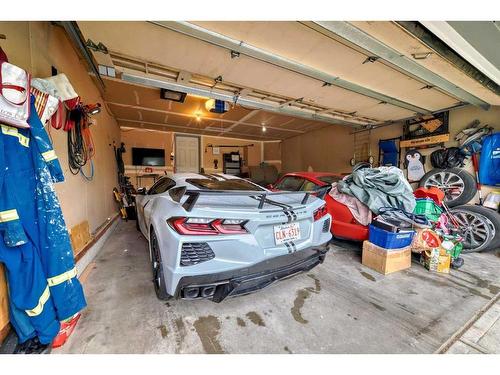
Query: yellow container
{"x": 436, "y": 260}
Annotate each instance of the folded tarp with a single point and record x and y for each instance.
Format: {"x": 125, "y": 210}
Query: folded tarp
{"x": 379, "y": 187}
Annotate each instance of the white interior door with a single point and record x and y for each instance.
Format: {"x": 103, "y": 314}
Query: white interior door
{"x": 187, "y": 153}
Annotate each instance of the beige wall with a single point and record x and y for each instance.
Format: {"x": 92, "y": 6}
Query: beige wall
{"x": 36, "y": 46}
{"x": 146, "y": 139}
{"x": 272, "y": 154}
{"x": 251, "y": 155}
{"x": 331, "y": 148}
{"x": 458, "y": 120}
{"x": 165, "y": 140}
{"x": 325, "y": 150}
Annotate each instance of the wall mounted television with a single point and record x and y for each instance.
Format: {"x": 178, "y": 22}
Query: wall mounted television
{"x": 154, "y": 157}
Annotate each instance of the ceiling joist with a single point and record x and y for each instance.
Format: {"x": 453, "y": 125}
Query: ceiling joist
{"x": 166, "y": 127}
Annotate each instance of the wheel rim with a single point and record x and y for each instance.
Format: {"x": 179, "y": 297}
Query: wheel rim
{"x": 474, "y": 229}
{"x": 156, "y": 262}
{"x": 450, "y": 183}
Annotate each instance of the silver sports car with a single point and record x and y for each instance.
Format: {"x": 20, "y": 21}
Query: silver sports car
{"x": 215, "y": 236}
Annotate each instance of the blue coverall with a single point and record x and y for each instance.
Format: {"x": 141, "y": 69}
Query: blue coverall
{"x": 36, "y": 249}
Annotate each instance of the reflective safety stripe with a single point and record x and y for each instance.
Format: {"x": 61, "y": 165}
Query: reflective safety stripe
{"x": 41, "y": 303}
{"x": 59, "y": 279}
{"x": 8, "y": 215}
{"x": 10, "y": 130}
{"x": 49, "y": 155}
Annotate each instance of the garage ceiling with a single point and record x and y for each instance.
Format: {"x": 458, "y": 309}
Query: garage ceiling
{"x": 141, "y": 106}
{"x": 292, "y": 77}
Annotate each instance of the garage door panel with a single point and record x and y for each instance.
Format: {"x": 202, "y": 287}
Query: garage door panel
{"x": 379, "y": 77}
{"x": 300, "y": 43}
{"x": 387, "y": 111}
{"x": 245, "y": 71}
{"x": 391, "y": 34}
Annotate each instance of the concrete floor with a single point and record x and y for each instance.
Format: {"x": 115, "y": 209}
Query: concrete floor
{"x": 338, "y": 307}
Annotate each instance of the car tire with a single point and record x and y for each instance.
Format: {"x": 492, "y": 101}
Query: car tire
{"x": 475, "y": 228}
{"x": 494, "y": 222}
{"x": 137, "y": 226}
{"x": 443, "y": 178}
{"x": 157, "y": 269}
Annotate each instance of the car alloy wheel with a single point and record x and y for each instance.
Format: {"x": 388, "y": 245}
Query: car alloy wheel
{"x": 474, "y": 228}
{"x": 157, "y": 269}
{"x": 457, "y": 184}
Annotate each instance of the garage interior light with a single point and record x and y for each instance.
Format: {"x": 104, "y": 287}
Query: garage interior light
{"x": 175, "y": 96}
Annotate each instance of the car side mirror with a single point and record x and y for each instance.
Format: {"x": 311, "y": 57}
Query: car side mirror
{"x": 141, "y": 191}
{"x": 270, "y": 186}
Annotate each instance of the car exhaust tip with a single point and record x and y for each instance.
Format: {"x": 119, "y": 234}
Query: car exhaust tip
{"x": 191, "y": 292}
{"x": 208, "y": 291}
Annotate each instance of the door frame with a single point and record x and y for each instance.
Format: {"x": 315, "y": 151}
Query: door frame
{"x": 199, "y": 149}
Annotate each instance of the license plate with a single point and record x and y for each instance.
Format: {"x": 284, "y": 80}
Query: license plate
{"x": 286, "y": 232}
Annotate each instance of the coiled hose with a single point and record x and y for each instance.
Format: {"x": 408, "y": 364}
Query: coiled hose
{"x": 80, "y": 144}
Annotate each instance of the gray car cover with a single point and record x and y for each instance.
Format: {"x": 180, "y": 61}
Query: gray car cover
{"x": 379, "y": 187}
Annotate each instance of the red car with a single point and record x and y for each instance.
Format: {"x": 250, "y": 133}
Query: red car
{"x": 343, "y": 223}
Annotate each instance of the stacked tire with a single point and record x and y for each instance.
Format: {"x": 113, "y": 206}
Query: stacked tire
{"x": 480, "y": 226}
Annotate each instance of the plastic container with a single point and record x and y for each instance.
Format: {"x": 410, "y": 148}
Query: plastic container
{"x": 390, "y": 240}
{"x": 429, "y": 208}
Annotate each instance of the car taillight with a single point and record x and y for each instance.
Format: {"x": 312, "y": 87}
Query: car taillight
{"x": 320, "y": 212}
{"x": 230, "y": 226}
{"x": 203, "y": 226}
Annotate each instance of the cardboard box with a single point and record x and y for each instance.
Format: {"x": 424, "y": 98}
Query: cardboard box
{"x": 436, "y": 260}
{"x": 383, "y": 261}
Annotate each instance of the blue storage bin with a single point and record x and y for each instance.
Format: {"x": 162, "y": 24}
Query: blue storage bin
{"x": 390, "y": 240}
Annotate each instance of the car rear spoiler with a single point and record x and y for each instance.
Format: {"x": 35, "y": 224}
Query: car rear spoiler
{"x": 262, "y": 196}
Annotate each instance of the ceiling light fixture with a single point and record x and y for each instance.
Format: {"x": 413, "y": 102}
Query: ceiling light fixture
{"x": 198, "y": 116}
{"x": 264, "y": 128}
{"x": 175, "y": 96}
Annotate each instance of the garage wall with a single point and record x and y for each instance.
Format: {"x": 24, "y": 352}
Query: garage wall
{"x": 330, "y": 149}
{"x": 146, "y": 139}
{"x": 158, "y": 139}
{"x": 458, "y": 120}
{"x": 325, "y": 150}
{"x": 272, "y": 153}
{"x": 36, "y": 46}
{"x": 251, "y": 155}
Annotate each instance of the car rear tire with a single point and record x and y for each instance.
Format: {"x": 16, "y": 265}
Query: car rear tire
{"x": 475, "y": 228}
{"x": 493, "y": 221}
{"x": 137, "y": 220}
{"x": 458, "y": 185}
{"x": 157, "y": 268}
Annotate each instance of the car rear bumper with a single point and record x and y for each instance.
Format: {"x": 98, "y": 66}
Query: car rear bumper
{"x": 218, "y": 286}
